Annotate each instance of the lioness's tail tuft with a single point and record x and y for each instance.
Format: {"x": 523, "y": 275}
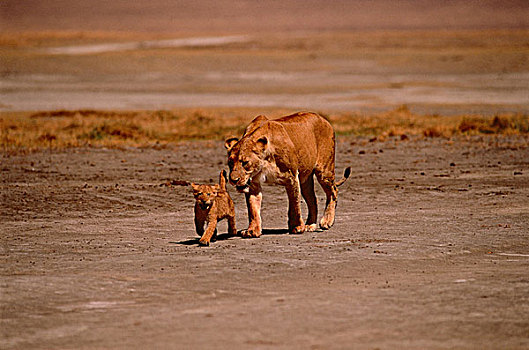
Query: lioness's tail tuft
{"x": 346, "y": 175}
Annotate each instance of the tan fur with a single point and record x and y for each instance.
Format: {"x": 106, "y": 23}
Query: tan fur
{"x": 287, "y": 151}
{"x": 212, "y": 204}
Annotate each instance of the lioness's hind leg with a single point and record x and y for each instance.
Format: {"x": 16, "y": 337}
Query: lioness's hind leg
{"x": 331, "y": 191}
{"x": 307, "y": 191}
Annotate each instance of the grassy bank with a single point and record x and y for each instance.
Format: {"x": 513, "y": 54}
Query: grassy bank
{"x": 27, "y": 132}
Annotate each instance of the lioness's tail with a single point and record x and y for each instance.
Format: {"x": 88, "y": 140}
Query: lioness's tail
{"x": 222, "y": 180}
{"x": 346, "y": 175}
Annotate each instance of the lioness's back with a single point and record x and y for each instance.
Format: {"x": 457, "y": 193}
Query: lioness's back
{"x": 313, "y": 138}
{"x": 305, "y": 128}
{"x": 304, "y": 118}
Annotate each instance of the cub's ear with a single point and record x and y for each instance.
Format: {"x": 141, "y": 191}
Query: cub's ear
{"x": 229, "y": 143}
{"x": 194, "y": 186}
{"x": 262, "y": 143}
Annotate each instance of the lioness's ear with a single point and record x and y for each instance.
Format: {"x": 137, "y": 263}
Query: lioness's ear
{"x": 262, "y": 143}
{"x": 229, "y": 143}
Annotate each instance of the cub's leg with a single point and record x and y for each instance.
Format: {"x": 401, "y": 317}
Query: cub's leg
{"x": 295, "y": 223}
{"x": 326, "y": 180}
{"x": 211, "y": 230}
{"x": 232, "y": 230}
{"x": 307, "y": 191}
{"x": 253, "y": 201}
{"x": 199, "y": 225}
{"x": 214, "y": 237}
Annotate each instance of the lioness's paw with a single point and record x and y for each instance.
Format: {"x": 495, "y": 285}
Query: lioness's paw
{"x": 326, "y": 224}
{"x": 311, "y": 227}
{"x": 298, "y": 229}
{"x": 250, "y": 233}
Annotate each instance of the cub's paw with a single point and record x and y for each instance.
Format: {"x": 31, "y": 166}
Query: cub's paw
{"x": 204, "y": 242}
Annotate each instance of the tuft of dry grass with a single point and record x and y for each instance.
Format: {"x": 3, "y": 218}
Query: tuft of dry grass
{"x": 28, "y": 132}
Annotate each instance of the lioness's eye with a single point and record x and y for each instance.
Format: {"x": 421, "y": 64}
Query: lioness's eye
{"x": 245, "y": 163}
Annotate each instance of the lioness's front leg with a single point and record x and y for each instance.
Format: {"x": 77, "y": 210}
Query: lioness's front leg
{"x": 253, "y": 201}
{"x": 295, "y": 223}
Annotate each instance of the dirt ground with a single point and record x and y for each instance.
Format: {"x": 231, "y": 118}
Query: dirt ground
{"x": 429, "y": 251}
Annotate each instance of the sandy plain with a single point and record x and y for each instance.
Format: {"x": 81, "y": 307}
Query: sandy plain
{"x": 432, "y": 72}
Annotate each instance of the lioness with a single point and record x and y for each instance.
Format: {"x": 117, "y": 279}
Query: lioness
{"x": 287, "y": 151}
{"x": 212, "y": 204}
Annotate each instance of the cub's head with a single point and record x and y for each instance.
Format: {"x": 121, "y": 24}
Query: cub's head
{"x": 246, "y": 158}
{"x": 205, "y": 195}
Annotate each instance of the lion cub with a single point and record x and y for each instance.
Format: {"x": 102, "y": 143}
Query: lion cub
{"x": 213, "y": 203}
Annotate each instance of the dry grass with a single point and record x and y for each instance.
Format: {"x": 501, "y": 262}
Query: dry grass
{"x": 402, "y": 123}
{"x": 87, "y": 128}
{"x": 26, "y": 132}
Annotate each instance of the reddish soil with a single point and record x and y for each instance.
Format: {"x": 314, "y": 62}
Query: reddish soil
{"x": 429, "y": 251}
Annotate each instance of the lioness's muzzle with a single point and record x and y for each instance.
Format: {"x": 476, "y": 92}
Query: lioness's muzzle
{"x": 241, "y": 188}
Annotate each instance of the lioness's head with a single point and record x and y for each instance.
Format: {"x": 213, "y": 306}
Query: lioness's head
{"x": 245, "y": 159}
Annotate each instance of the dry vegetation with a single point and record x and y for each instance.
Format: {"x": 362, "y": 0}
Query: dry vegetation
{"x": 401, "y": 122}
{"x": 27, "y": 132}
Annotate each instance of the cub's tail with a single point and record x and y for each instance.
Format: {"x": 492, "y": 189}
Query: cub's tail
{"x": 222, "y": 180}
{"x": 346, "y": 175}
